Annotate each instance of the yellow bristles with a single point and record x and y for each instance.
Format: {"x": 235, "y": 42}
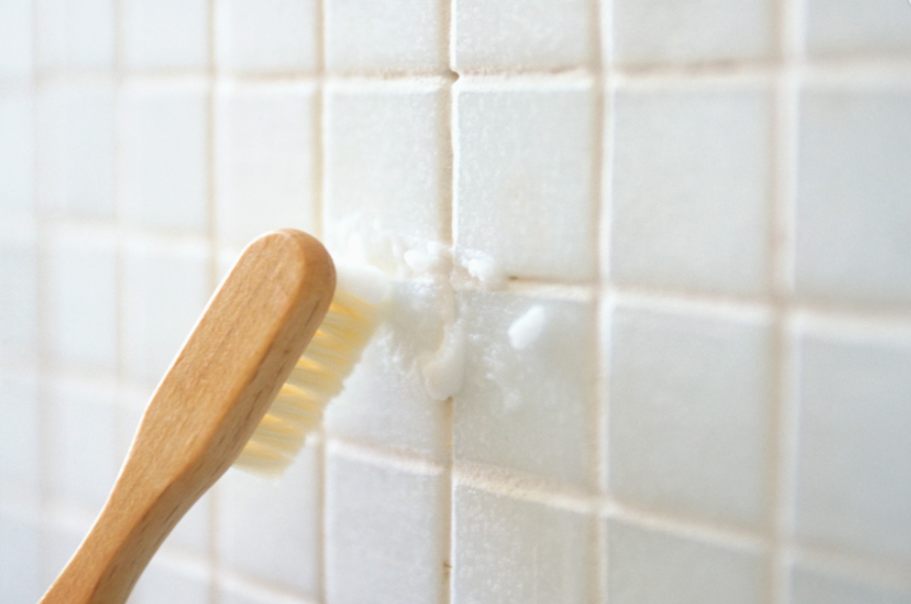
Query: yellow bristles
{"x": 316, "y": 379}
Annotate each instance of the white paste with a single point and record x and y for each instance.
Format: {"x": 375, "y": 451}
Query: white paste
{"x": 527, "y": 329}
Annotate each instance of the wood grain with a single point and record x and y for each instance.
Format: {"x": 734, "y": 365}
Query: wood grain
{"x": 210, "y": 401}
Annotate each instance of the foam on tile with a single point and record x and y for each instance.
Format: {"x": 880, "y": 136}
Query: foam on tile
{"x": 483, "y": 268}
{"x": 527, "y": 329}
{"x": 444, "y": 371}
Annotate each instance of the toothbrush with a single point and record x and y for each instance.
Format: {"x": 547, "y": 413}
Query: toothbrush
{"x": 225, "y": 399}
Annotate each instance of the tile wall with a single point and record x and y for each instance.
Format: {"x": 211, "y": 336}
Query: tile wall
{"x": 709, "y": 201}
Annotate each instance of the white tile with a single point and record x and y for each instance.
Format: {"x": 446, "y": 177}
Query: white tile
{"x": 82, "y": 442}
{"x": 698, "y": 31}
{"x": 854, "y": 462}
{"x": 20, "y": 553}
{"x": 15, "y": 39}
{"x": 528, "y": 409}
{"x": 20, "y": 432}
{"x": 166, "y": 287}
{"x": 811, "y": 586}
{"x": 59, "y": 540}
{"x": 387, "y": 156}
{"x": 75, "y": 33}
{"x": 81, "y": 298}
{"x": 524, "y": 190}
{"x": 650, "y": 567}
{"x": 510, "y": 550}
{"x": 232, "y": 590}
{"x": 18, "y": 291}
{"x": 16, "y": 152}
{"x": 689, "y": 407}
{"x": 837, "y": 27}
{"x": 522, "y": 34}
{"x": 176, "y": 581}
{"x": 162, "y": 34}
{"x": 385, "y": 36}
{"x": 162, "y": 162}
{"x": 853, "y": 215}
{"x": 385, "y": 532}
{"x": 267, "y": 35}
{"x": 76, "y": 149}
{"x": 269, "y": 528}
{"x": 385, "y": 401}
{"x": 691, "y": 186}
{"x": 265, "y": 160}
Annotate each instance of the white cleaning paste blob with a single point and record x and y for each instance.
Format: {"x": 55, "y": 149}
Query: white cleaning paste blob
{"x": 366, "y": 282}
{"x": 527, "y": 329}
{"x": 483, "y": 268}
{"x": 444, "y": 371}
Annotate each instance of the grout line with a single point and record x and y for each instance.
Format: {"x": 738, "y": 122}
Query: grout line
{"x": 783, "y": 428}
{"x": 601, "y": 13}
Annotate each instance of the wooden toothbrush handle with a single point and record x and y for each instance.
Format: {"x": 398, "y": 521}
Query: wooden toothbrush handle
{"x": 205, "y": 409}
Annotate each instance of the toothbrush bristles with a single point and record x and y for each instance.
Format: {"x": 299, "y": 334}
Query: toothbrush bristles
{"x": 316, "y": 378}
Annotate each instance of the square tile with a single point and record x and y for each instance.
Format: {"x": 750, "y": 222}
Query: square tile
{"x": 265, "y": 160}
{"x": 387, "y": 161}
{"x": 385, "y": 401}
{"x": 18, "y": 291}
{"x": 76, "y": 149}
{"x": 164, "y": 34}
{"x": 175, "y": 581}
{"x": 837, "y": 27}
{"x": 15, "y": 39}
{"x": 81, "y": 298}
{"x": 690, "y": 398}
{"x": 527, "y": 35}
{"x": 811, "y": 586}
{"x": 166, "y": 287}
{"x": 232, "y": 590}
{"x": 648, "y": 566}
{"x": 531, "y": 409}
{"x": 385, "y": 36}
{"x": 20, "y": 554}
{"x": 385, "y": 531}
{"x": 82, "y": 437}
{"x": 510, "y": 550}
{"x": 854, "y": 462}
{"x": 270, "y": 528}
{"x": 524, "y": 176}
{"x": 20, "y": 432}
{"x": 267, "y": 35}
{"x": 16, "y": 152}
{"x": 75, "y": 34}
{"x": 695, "y": 32}
{"x": 691, "y": 220}
{"x": 163, "y": 153}
{"x": 853, "y": 215}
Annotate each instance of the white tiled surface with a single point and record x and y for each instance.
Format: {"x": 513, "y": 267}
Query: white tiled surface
{"x": 691, "y": 186}
{"x": 162, "y": 142}
{"x": 388, "y": 36}
{"x": 649, "y": 566}
{"x": 706, "y": 202}
{"x": 264, "y": 159}
{"x": 703, "y": 31}
{"x": 533, "y": 35}
{"x": 853, "y": 214}
{"x": 264, "y": 36}
{"x": 166, "y": 34}
{"x": 384, "y": 531}
{"x": 690, "y": 412}
{"x": 525, "y": 175}
{"x": 854, "y": 399}
{"x": 510, "y": 550}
